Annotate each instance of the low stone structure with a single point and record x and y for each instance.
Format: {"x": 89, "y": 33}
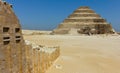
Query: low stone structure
{"x": 39, "y": 58}
{"x": 16, "y": 56}
{"x": 84, "y": 21}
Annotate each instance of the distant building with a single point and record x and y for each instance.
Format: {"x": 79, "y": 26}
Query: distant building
{"x": 84, "y": 21}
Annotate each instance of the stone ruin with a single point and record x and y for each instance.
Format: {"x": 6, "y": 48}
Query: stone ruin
{"x": 38, "y": 58}
{"x": 84, "y": 21}
{"x": 16, "y": 55}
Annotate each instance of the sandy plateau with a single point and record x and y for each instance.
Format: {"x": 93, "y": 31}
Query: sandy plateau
{"x": 82, "y": 54}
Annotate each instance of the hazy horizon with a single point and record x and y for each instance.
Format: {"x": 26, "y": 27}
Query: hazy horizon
{"x": 47, "y": 15}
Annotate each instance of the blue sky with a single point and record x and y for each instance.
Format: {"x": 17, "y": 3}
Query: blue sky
{"x": 47, "y": 14}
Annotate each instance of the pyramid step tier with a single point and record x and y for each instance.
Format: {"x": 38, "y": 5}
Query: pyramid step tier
{"x": 84, "y": 15}
{"x": 84, "y": 11}
{"x": 84, "y": 7}
{"x": 76, "y": 18}
{"x": 75, "y": 23}
{"x": 85, "y": 20}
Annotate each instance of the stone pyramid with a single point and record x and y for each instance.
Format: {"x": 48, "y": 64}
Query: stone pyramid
{"x": 84, "y": 21}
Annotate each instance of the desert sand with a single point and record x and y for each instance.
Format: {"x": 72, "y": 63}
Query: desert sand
{"x": 82, "y": 54}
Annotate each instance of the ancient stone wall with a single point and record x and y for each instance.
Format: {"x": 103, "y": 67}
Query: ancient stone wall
{"x": 39, "y": 59}
{"x": 15, "y": 55}
{"x": 11, "y": 40}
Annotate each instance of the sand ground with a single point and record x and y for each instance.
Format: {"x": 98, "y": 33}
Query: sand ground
{"x": 82, "y": 54}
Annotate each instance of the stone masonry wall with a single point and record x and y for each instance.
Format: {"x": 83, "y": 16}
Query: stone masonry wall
{"x": 39, "y": 59}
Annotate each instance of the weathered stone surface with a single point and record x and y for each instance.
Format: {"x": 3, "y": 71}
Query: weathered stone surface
{"x": 84, "y": 20}
{"x": 38, "y": 59}
{"x": 16, "y": 56}
{"x": 11, "y": 41}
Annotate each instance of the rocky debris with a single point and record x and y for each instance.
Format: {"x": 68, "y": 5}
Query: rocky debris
{"x": 35, "y": 32}
{"x": 58, "y": 66}
{"x": 118, "y": 33}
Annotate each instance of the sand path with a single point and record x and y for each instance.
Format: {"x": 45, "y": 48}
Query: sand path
{"x": 83, "y": 54}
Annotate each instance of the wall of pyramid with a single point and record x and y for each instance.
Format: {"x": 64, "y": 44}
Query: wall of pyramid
{"x": 17, "y": 55}
{"x": 11, "y": 40}
{"x": 84, "y": 20}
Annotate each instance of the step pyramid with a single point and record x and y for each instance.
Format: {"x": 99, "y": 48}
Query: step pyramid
{"x": 84, "y": 20}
